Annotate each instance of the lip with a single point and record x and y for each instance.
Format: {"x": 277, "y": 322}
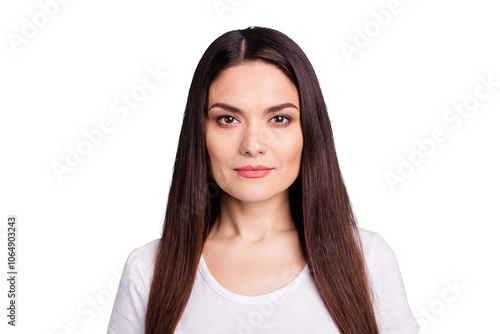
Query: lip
{"x": 252, "y": 168}
{"x": 253, "y": 172}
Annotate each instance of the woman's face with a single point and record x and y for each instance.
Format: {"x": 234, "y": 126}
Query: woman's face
{"x": 253, "y": 120}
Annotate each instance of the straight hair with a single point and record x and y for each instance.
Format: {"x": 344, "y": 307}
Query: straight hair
{"x": 320, "y": 206}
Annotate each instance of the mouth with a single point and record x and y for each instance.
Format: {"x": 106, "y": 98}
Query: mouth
{"x": 253, "y": 171}
{"x": 252, "y": 168}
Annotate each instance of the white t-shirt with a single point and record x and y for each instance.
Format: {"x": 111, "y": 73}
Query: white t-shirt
{"x": 295, "y": 308}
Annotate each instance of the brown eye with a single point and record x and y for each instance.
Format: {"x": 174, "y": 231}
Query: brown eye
{"x": 279, "y": 119}
{"x": 229, "y": 118}
{"x": 226, "y": 120}
{"x": 282, "y": 120}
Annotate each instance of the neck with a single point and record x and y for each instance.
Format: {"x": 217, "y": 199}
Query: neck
{"x": 253, "y": 221}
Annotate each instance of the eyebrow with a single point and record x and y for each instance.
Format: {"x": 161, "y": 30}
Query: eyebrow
{"x": 266, "y": 111}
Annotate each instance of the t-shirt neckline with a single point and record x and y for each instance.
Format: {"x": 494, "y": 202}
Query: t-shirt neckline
{"x": 271, "y": 296}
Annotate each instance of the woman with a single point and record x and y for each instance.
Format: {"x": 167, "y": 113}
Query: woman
{"x": 259, "y": 235}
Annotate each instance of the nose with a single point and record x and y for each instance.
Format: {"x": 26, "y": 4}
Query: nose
{"x": 254, "y": 140}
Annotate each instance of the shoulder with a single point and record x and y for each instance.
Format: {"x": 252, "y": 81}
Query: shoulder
{"x": 146, "y": 252}
{"x": 132, "y": 295}
{"x": 390, "y": 304}
{"x": 141, "y": 261}
{"x": 375, "y": 248}
{"x": 380, "y": 258}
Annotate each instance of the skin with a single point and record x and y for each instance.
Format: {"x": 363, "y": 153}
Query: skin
{"x": 254, "y": 246}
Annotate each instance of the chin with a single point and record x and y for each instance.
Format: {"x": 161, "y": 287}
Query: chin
{"x": 253, "y": 193}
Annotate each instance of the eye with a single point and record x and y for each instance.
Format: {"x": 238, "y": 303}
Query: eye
{"x": 228, "y": 120}
{"x": 282, "y": 120}
{"x": 279, "y": 120}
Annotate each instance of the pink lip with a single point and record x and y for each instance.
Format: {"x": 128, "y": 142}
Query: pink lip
{"x": 258, "y": 167}
{"x": 253, "y": 171}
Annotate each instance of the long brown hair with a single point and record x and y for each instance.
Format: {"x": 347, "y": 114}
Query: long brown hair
{"x": 319, "y": 202}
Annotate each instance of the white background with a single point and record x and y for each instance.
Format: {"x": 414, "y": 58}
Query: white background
{"x": 76, "y": 233}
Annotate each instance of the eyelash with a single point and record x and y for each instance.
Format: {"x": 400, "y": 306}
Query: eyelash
{"x": 288, "y": 118}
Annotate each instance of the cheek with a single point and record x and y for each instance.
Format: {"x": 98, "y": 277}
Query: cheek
{"x": 218, "y": 152}
{"x": 212, "y": 157}
{"x": 291, "y": 150}
{"x": 297, "y": 154}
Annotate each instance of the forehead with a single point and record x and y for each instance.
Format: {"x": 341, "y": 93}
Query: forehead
{"x": 252, "y": 80}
